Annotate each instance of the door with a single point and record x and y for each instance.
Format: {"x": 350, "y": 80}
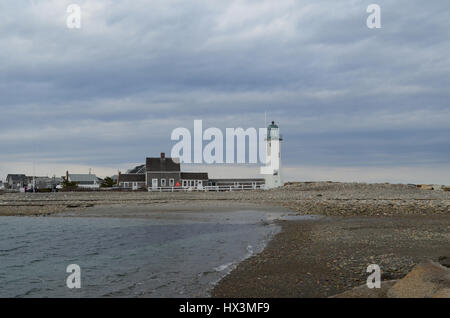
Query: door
{"x": 154, "y": 183}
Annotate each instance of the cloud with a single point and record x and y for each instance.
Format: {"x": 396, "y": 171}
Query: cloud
{"x": 112, "y": 91}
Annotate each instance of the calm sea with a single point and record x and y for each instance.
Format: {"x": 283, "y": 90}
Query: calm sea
{"x": 122, "y": 257}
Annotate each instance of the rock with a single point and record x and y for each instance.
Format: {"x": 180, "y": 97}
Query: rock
{"x": 73, "y": 205}
{"x": 428, "y": 279}
{"x": 364, "y": 292}
{"x": 444, "y": 260}
{"x": 425, "y": 186}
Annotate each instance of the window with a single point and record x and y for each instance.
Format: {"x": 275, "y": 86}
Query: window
{"x": 171, "y": 182}
{"x": 163, "y": 182}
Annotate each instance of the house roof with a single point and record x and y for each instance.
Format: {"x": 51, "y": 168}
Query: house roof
{"x": 137, "y": 169}
{"x": 17, "y": 178}
{"x": 194, "y": 175}
{"x": 238, "y": 180}
{"x": 162, "y": 164}
{"x": 132, "y": 177}
{"x": 83, "y": 177}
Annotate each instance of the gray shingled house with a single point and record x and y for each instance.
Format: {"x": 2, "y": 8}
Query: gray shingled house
{"x": 160, "y": 172}
{"x": 163, "y": 172}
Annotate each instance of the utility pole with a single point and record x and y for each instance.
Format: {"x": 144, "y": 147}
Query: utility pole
{"x": 34, "y": 176}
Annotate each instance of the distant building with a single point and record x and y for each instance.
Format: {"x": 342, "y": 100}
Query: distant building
{"x": 256, "y": 183}
{"x": 194, "y": 179}
{"x": 2, "y": 186}
{"x": 20, "y": 181}
{"x": 160, "y": 172}
{"x": 87, "y": 181}
{"x": 16, "y": 181}
{"x": 132, "y": 181}
{"x": 138, "y": 169}
{"x": 43, "y": 182}
{"x": 163, "y": 172}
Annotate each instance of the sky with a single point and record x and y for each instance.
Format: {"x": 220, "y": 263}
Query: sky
{"x": 353, "y": 104}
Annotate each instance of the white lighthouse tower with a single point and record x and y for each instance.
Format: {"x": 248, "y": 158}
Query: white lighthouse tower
{"x": 272, "y": 169}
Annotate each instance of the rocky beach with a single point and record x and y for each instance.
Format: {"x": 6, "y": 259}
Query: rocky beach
{"x": 317, "y": 198}
{"x": 395, "y": 226}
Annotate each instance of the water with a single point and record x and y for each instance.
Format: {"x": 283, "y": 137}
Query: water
{"x": 122, "y": 257}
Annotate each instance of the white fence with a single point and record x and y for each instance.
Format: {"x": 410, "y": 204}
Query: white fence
{"x": 207, "y": 188}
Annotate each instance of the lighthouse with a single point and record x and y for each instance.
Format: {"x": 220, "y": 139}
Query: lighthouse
{"x": 272, "y": 169}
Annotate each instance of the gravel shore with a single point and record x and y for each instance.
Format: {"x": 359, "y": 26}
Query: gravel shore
{"x": 330, "y": 256}
{"x": 394, "y": 226}
{"x": 321, "y": 198}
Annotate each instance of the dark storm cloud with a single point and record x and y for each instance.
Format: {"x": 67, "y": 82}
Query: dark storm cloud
{"x": 112, "y": 91}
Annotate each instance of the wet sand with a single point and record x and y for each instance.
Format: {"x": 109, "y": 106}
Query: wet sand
{"x": 330, "y": 256}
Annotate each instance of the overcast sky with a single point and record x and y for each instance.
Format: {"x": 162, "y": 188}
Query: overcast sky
{"x": 353, "y": 103}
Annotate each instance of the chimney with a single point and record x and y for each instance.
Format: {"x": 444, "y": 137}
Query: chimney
{"x": 118, "y": 178}
{"x": 163, "y": 155}
{"x": 67, "y": 175}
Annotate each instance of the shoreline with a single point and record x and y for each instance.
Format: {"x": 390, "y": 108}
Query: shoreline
{"x": 329, "y": 256}
{"x": 395, "y": 226}
{"x": 320, "y": 198}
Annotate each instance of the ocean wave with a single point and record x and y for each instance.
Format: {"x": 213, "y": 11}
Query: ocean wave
{"x": 223, "y": 267}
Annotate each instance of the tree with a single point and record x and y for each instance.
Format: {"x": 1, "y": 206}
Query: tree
{"x": 108, "y": 183}
{"x": 67, "y": 185}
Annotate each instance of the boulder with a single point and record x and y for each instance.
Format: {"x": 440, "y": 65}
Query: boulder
{"x": 444, "y": 260}
{"x": 425, "y": 186}
{"x": 426, "y": 280}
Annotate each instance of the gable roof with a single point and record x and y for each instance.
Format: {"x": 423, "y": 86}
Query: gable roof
{"x": 17, "y": 178}
{"x": 162, "y": 164}
{"x": 83, "y": 178}
{"x": 138, "y": 169}
{"x": 132, "y": 177}
{"x": 194, "y": 175}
